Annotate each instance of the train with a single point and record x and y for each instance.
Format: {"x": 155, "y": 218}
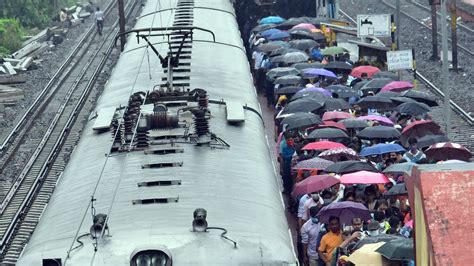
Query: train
{"x": 173, "y": 166}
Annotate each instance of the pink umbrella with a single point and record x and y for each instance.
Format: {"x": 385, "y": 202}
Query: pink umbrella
{"x": 332, "y": 124}
{"x": 315, "y": 183}
{"x": 337, "y": 154}
{"x": 323, "y": 145}
{"x": 364, "y": 71}
{"x": 308, "y": 26}
{"x": 381, "y": 119}
{"x": 364, "y": 177}
{"x": 397, "y": 86}
{"x": 336, "y": 115}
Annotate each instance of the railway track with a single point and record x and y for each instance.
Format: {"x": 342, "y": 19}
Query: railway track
{"x": 21, "y": 209}
{"x": 462, "y": 123}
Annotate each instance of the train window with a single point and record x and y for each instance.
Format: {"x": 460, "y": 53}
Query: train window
{"x": 151, "y": 258}
{"x": 155, "y": 200}
{"x": 159, "y": 183}
{"x": 162, "y": 165}
{"x": 52, "y": 262}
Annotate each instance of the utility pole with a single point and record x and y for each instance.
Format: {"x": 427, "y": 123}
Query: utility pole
{"x": 121, "y": 24}
{"x": 454, "y": 38}
{"x": 398, "y": 24}
{"x": 434, "y": 31}
{"x": 445, "y": 68}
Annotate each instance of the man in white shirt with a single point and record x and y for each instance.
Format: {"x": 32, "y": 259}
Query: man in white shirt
{"x": 99, "y": 19}
{"x": 309, "y": 238}
{"x": 315, "y": 200}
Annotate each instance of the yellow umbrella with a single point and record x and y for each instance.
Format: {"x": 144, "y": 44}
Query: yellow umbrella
{"x": 366, "y": 256}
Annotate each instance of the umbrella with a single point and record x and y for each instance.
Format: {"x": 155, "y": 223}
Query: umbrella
{"x": 381, "y": 148}
{"x": 270, "y": 46}
{"x": 335, "y": 115}
{"x": 339, "y": 154}
{"x": 282, "y": 51}
{"x": 448, "y": 151}
{"x": 379, "y": 132}
{"x": 290, "y": 58}
{"x": 271, "y": 20}
{"x": 366, "y": 255}
{"x": 429, "y": 140}
{"x": 314, "y": 183}
{"x": 343, "y": 91}
{"x": 353, "y": 123}
{"x": 334, "y": 50}
{"x": 413, "y": 109}
{"x": 401, "y": 99}
{"x": 375, "y": 239}
{"x": 375, "y": 85}
{"x": 303, "y": 44}
{"x": 380, "y": 119}
{"x": 288, "y": 90}
{"x": 311, "y": 94}
{"x": 359, "y": 85}
{"x": 279, "y": 36}
{"x": 346, "y": 211}
{"x": 292, "y": 22}
{"x": 304, "y": 26}
{"x": 323, "y": 145}
{"x": 305, "y": 65}
{"x": 351, "y": 166}
{"x": 269, "y": 32}
{"x": 398, "y": 249}
{"x": 388, "y": 94}
{"x": 375, "y": 102}
{"x": 288, "y": 80}
{"x": 338, "y": 66}
{"x": 300, "y": 120}
{"x": 315, "y": 36}
{"x": 317, "y": 72}
{"x": 421, "y": 97}
{"x": 364, "y": 177}
{"x": 398, "y": 86}
{"x": 304, "y": 105}
{"x": 327, "y": 133}
{"x": 451, "y": 161}
{"x": 332, "y": 124}
{"x": 282, "y": 71}
{"x": 262, "y": 27}
{"x": 399, "y": 168}
{"x": 419, "y": 129}
{"x": 364, "y": 71}
{"x": 308, "y": 92}
{"x": 331, "y": 104}
{"x": 398, "y": 189}
{"x": 386, "y": 74}
{"x": 313, "y": 163}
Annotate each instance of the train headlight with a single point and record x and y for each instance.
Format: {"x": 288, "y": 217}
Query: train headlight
{"x": 150, "y": 258}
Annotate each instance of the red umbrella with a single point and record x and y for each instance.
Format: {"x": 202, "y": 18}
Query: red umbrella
{"x": 307, "y": 26}
{"x": 397, "y": 86}
{"x": 448, "y": 151}
{"x": 336, "y": 115}
{"x": 364, "y": 177}
{"x": 315, "y": 183}
{"x": 420, "y": 129}
{"x": 333, "y": 125}
{"x": 368, "y": 70}
{"x": 323, "y": 145}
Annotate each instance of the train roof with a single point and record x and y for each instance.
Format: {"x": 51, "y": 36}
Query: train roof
{"x": 237, "y": 185}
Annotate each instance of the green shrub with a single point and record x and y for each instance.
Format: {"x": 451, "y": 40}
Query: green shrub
{"x": 10, "y": 35}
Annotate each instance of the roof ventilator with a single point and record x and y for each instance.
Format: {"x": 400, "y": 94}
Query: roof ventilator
{"x": 200, "y": 225}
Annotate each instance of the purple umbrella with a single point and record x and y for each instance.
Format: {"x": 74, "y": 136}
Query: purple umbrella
{"x": 310, "y": 89}
{"x": 381, "y": 119}
{"x": 314, "y": 72}
{"x": 346, "y": 211}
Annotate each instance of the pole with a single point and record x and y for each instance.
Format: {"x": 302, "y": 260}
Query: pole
{"x": 454, "y": 38}
{"x": 434, "y": 31}
{"x": 444, "y": 45}
{"x": 398, "y": 28}
{"x": 121, "y": 24}
{"x": 392, "y": 33}
{"x": 415, "y": 80}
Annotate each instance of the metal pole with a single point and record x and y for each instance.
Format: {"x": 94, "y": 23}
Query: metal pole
{"x": 121, "y": 24}
{"x": 434, "y": 32}
{"x": 454, "y": 38}
{"x": 445, "y": 68}
{"x": 398, "y": 24}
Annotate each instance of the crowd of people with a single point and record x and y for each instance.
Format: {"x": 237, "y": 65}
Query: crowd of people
{"x": 345, "y": 135}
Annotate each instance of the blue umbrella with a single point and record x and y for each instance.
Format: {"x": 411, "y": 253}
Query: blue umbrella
{"x": 271, "y": 20}
{"x": 381, "y": 149}
{"x": 314, "y": 72}
{"x": 279, "y": 35}
{"x": 268, "y": 33}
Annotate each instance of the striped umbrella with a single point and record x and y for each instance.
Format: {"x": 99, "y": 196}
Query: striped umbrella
{"x": 313, "y": 163}
{"x": 448, "y": 151}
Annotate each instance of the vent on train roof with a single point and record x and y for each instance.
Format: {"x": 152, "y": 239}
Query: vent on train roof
{"x": 159, "y": 183}
{"x": 164, "y": 151}
{"x": 162, "y": 165}
{"x": 156, "y": 200}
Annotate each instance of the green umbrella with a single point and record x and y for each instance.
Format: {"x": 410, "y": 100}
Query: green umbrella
{"x": 398, "y": 249}
{"x": 334, "y": 50}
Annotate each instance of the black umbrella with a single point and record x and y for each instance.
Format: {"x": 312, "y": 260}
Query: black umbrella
{"x": 388, "y": 94}
{"x": 379, "y": 132}
{"x": 399, "y": 168}
{"x": 375, "y": 239}
{"x": 288, "y": 80}
{"x": 304, "y": 105}
{"x": 291, "y": 22}
{"x": 342, "y": 91}
{"x": 281, "y": 71}
{"x": 354, "y": 123}
{"x": 333, "y": 104}
{"x": 398, "y": 249}
{"x": 375, "y": 102}
{"x": 398, "y": 189}
{"x": 328, "y": 133}
{"x": 429, "y": 140}
{"x": 263, "y": 27}
{"x": 288, "y": 90}
{"x": 345, "y": 167}
{"x": 309, "y": 94}
{"x": 401, "y": 99}
{"x": 282, "y": 51}
{"x": 290, "y": 58}
{"x": 303, "y": 44}
{"x": 413, "y": 109}
{"x": 270, "y": 46}
{"x": 421, "y": 97}
{"x": 359, "y": 85}
{"x": 375, "y": 85}
{"x": 305, "y": 65}
{"x": 300, "y": 120}
{"x": 339, "y": 66}
{"x": 301, "y": 35}
{"x": 386, "y": 74}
